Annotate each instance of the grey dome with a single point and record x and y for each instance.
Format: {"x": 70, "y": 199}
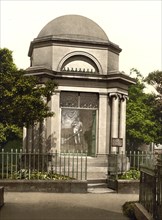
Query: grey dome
{"x": 74, "y": 27}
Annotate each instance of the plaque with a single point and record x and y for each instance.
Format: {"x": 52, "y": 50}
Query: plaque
{"x": 117, "y": 142}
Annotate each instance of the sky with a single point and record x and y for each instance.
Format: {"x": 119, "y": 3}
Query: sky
{"x": 136, "y": 26}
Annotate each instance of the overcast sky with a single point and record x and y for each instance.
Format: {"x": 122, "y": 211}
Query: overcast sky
{"x": 136, "y": 26}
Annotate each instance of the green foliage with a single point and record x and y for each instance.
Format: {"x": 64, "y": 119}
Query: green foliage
{"x": 16, "y": 143}
{"x": 155, "y": 79}
{"x": 142, "y": 124}
{"x": 131, "y": 175}
{"x": 35, "y": 175}
{"x": 128, "y": 209}
{"x": 6, "y": 61}
{"x": 23, "y": 100}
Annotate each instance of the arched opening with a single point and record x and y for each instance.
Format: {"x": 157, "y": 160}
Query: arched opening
{"x": 81, "y": 62}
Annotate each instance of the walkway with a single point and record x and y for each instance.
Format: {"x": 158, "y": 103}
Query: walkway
{"x": 57, "y": 206}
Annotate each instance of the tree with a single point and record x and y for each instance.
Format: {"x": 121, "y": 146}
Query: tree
{"x": 22, "y": 98}
{"x": 142, "y": 124}
{"x": 155, "y": 79}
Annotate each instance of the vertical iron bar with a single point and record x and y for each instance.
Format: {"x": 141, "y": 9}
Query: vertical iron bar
{"x": 77, "y": 166}
{"x": 142, "y": 157}
{"x": 42, "y": 162}
{"x": 86, "y": 166}
{"x": 2, "y": 163}
{"x": 11, "y": 163}
{"x": 29, "y": 164}
{"x": 130, "y": 157}
{"x": 55, "y": 161}
{"x": 68, "y": 163}
{"x": 34, "y": 160}
{"x": 7, "y": 170}
{"x": 122, "y": 162}
{"x": 38, "y": 163}
{"x": 138, "y": 160}
{"x": 64, "y": 163}
{"x": 73, "y": 165}
{"x": 134, "y": 159}
{"x": 48, "y": 158}
{"x": 26, "y": 160}
{"x": 116, "y": 159}
{"x": 81, "y": 164}
{"x": 20, "y": 161}
{"x": 60, "y": 164}
{"x": 16, "y": 161}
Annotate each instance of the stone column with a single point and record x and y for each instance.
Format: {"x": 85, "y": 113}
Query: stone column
{"x": 108, "y": 125}
{"x": 122, "y": 123}
{"x": 114, "y": 118}
{"x": 102, "y": 145}
{"x": 54, "y": 133}
{"x": 29, "y": 139}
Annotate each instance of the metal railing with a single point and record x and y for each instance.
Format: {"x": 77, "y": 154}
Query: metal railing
{"x": 120, "y": 163}
{"x": 29, "y": 165}
{"x": 151, "y": 188}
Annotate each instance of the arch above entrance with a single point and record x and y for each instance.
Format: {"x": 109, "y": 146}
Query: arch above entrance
{"x": 81, "y": 62}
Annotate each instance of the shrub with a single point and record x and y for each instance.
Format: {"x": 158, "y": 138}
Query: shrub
{"x": 128, "y": 210}
{"x": 130, "y": 175}
{"x": 34, "y": 175}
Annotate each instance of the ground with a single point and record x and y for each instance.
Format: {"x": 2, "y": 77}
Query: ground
{"x": 60, "y": 206}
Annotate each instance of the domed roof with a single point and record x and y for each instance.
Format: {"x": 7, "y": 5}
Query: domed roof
{"x": 74, "y": 27}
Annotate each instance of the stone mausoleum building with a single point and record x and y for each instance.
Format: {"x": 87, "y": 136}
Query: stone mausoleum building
{"x": 90, "y": 101}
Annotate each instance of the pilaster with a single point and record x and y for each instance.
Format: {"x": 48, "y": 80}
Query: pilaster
{"x": 102, "y": 138}
{"x": 122, "y": 123}
{"x": 55, "y": 125}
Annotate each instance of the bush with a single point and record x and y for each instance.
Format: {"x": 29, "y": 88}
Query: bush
{"x": 131, "y": 175}
{"x": 25, "y": 174}
{"x": 128, "y": 210}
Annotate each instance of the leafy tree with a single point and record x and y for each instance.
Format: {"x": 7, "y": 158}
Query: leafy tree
{"x": 142, "y": 124}
{"x": 155, "y": 79}
{"x": 22, "y": 98}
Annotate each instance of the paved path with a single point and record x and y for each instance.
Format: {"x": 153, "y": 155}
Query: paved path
{"x": 65, "y": 206}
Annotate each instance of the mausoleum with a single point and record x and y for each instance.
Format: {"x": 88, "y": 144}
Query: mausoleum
{"x": 90, "y": 100}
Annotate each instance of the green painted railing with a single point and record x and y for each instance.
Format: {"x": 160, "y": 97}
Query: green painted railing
{"x": 28, "y": 165}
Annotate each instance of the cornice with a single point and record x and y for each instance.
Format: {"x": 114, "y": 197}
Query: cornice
{"x": 50, "y": 40}
{"x": 110, "y": 77}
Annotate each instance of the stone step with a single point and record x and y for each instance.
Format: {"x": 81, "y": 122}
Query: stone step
{"x": 96, "y": 175}
{"x": 100, "y": 190}
{"x": 97, "y": 185}
{"x": 99, "y": 180}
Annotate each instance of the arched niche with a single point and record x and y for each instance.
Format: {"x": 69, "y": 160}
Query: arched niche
{"x": 80, "y": 62}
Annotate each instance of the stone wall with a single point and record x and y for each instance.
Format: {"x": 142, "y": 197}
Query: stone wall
{"x": 1, "y": 196}
{"x": 124, "y": 186}
{"x": 57, "y": 186}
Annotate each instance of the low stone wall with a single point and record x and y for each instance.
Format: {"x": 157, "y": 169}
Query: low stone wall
{"x": 1, "y": 196}
{"x": 128, "y": 186}
{"x": 124, "y": 186}
{"x": 56, "y": 186}
{"x": 141, "y": 213}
